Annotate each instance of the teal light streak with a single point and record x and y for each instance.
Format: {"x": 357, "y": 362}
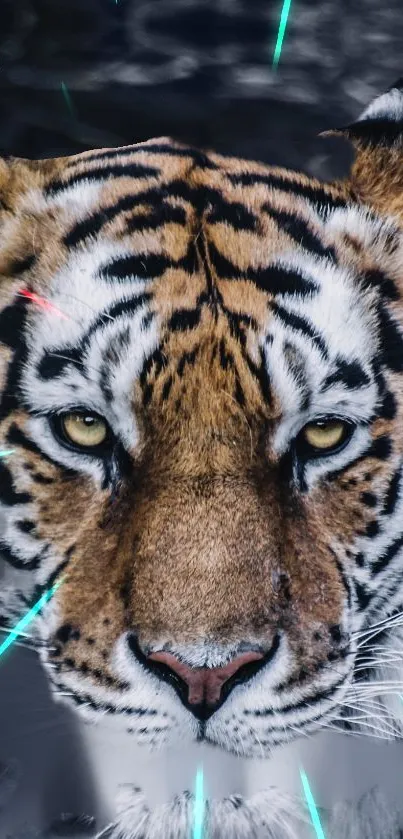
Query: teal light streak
{"x": 6, "y": 452}
{"x": 313, "y": 810}
{"x": 67, "y": 98}
{"x": 199, "y": 806}
{"x": 281, "y": 31}
{"x": 23, "y": 623}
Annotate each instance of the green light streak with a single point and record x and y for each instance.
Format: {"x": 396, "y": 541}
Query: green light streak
{"x": 313, "y": 811}
{"x": 6, "y": 452}
{"x": 67, "y": 98}
{"x": 199, "y": 806}
{"x": 281, "y": 31}
{"x": 23, "y": 623}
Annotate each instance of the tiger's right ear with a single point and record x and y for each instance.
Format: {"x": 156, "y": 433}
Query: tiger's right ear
{"x": 376, "y": 177}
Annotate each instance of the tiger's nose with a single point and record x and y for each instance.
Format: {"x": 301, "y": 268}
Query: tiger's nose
{"x": 201, "y": 689}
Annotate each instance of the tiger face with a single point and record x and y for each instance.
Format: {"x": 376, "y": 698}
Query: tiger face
{"x": 201, "y": 420}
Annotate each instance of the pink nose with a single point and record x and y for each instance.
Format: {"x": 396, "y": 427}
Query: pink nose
{"x": 204, "y": 683}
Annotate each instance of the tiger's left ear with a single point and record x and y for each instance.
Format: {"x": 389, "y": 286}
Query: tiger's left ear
{"x": 376, "y": 177}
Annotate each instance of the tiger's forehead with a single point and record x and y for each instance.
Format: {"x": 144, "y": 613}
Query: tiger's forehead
{"x": 135, "y": 245}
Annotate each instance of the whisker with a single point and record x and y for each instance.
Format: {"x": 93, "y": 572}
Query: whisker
{"x": 88, "y": 306}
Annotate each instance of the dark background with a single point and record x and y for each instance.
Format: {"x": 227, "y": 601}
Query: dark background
{"x": 80, "y": 74}
{"x": 93, "y": 73}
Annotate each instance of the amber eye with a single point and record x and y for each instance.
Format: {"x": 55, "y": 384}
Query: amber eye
{"x": 325, "y": 435}
{"x": 85, "y": 431}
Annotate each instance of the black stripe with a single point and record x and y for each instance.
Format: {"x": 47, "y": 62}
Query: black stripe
{"x": 26, "y": 526}
{"x": 200, "y": 158}
{"x": 299, "y": 230}
{"x": 125, "y": 170}
{"x": 235, "y": 214}
{"x": 278, "y": 280}
{"x": 20, "y": 564}
{"x": 238, "y": 323}
{"x": 41, "y": 479}
{"x": 10, "y": 396}
{"x": 392, "y": 341}
{"x": 351, "y": 374}
{"x": 142, "y": 266}
{"x": 364, "y": 596}
{"x": 273, "y": 279}
{"x": 387, "y": 556}
{"x": 12, "y": 322}
{"x": 300, "y": 324}
{"x": 184, "y": 319}
{"x": 302, "y": 704}
{"x": 376, "y": 279}
{"x": 8, "y": 495}
{"x": 369, "y": 499}
{"x": 166, "y": 388}
{"x": 316, "y": 194}
{"x": 261, "y": 374}
{"x": 106, "y": 707}
{"x": 19, "y": 266}
{"x": 380, "y": 449}
{"x": 392, "y": 494}
{"x": 50, "y": 367}
{"x": 343, "y": 576}
{"x": 156, "y": 360}
{"x": 162, "y": 213}
{"x": 17, "y": 437}
{"x": 226, "y": 358}
{"x": 52, "y": 578}
{"x": 388, "y": 407}
{"x": 187, "y": 358}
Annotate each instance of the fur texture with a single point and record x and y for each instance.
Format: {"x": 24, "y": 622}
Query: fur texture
{"x": 208, "y": 309}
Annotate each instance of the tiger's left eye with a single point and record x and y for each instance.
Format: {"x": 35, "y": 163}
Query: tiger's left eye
{"x": 82, "y": 431}
{"x": 324, "y": 436}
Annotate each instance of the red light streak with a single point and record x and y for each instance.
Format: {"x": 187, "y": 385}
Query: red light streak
{"x": 44, "y": 304}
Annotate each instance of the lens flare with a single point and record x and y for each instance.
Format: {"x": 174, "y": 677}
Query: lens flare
{"x": 313, "y": 810}
{"x": 6, "y": 452}
{"x": 199, "y": 806}
{"x": 281, "y": 31}
{"x": 23, "y": 623}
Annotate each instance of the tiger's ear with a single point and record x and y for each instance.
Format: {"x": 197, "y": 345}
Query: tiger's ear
{"x": 376, "y": 177}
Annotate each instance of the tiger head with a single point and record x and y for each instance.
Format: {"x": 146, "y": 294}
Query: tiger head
{"x": 201, "y": 432}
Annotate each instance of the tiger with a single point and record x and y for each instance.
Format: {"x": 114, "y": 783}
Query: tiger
{"x": 201, "y": 436}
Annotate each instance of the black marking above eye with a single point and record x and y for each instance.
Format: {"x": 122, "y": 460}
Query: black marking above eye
{"x": 142, "y": 266}
{"x": 300, "y": 324}
{"x": 349, "y": 373}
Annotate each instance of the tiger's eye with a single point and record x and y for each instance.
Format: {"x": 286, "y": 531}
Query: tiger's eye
{"x": 325, "y": 435}
{"x": 84, "y": 430}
